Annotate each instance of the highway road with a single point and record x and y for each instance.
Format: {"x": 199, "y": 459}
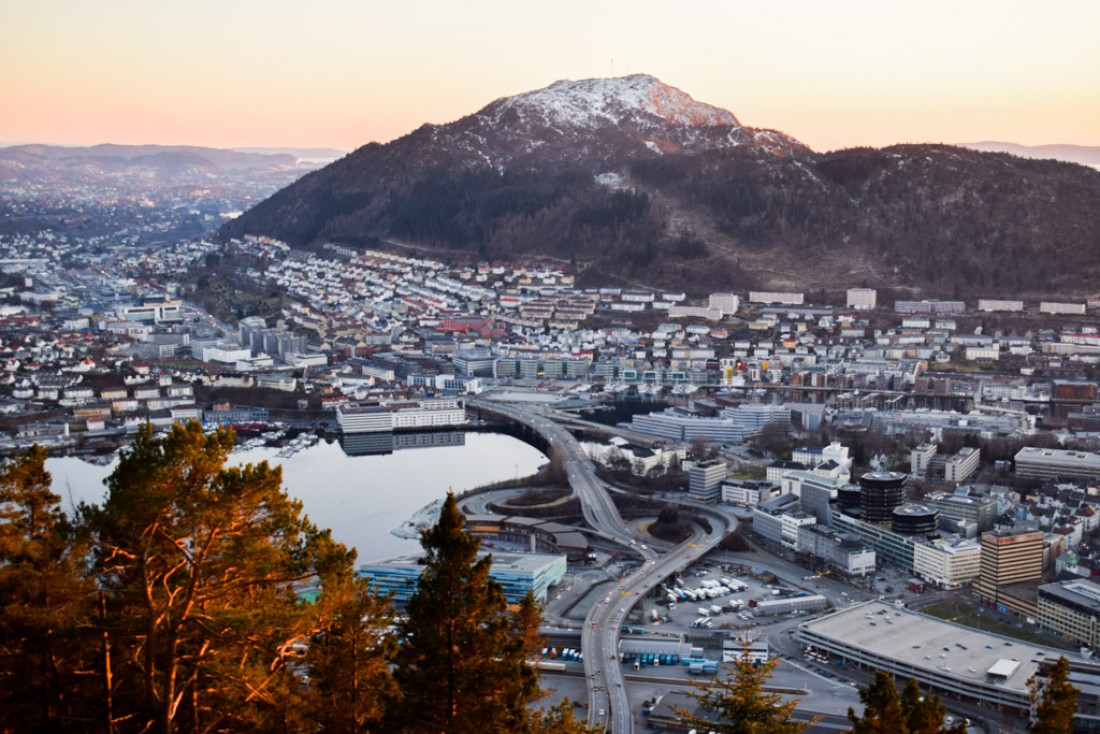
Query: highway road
{"x": 608, "y": 706}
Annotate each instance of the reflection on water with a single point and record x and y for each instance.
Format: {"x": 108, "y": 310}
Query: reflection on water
{"x": 361, "y": 496}
{"x": 362, "y": 444}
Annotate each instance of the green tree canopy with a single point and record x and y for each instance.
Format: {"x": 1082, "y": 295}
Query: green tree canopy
{"x": 203, "y": 565}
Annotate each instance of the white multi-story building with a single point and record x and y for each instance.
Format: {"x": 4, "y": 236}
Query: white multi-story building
{"x": 862, "y": 299}
{"x": 813, "y": 456}
{"x": 992, "y": 304}
{"x": 429, "y": 413}
{"x": 364, "y": 418}
{"x": 727, "y": 303}
{"x": 985, "y": 353}
{"x": 920, "y": 458}
{"x": 747, "y": 493}
{"x": 155, "y": 311}
{"x": 750, "y": 419}
{"x": 961, "y": 466}
{"x": 438, "y": 413}
{"x": 845, "y": 552}
{"x": 785, "y": 298}
{"x": 948, "y": 564}
{"x": 694, "y": 312}
{"x": 1054, "y": 307}
{"x": 225, "y": 354}
{"x": 1032, "y": 461}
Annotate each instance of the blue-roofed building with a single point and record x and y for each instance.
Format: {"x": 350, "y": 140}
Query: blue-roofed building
{"x": 517, "y": 573}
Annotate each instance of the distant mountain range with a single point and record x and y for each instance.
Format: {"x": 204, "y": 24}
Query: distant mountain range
{"x": 228, "y": 159}
{"x": 134, "y": 169}
{"x": 1086, "y": 155}
{"x": 302, "y": 154}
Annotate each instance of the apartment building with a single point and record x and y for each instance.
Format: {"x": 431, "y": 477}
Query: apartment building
{"x": 862, "y": 299}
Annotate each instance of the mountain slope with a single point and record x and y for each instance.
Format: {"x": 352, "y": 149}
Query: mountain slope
{"x": 644, "y": 184}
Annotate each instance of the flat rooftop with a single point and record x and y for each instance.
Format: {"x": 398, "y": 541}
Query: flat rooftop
{"x": 503, "y": 562}
{"x": 941, "y": 647}
{"x": 1081, "y": 592}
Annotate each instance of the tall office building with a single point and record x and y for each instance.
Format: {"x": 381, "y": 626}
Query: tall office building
{"x": 705, "y": 481}
{"x": 1008, "y": 557}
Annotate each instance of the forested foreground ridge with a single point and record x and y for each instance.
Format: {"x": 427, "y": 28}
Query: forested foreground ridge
{"x": 180, "y": 605}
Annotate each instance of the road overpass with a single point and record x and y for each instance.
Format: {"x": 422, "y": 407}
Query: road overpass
{"x": 608, "y": 705}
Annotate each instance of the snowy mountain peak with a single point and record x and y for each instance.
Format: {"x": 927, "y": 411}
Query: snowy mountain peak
{"x": 591, "y": 103}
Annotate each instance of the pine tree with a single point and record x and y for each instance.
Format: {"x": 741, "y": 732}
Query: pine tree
{"x": 350, "y": 683}
{"x": 882, "y": 713}
{"x": 559, "y": 720}
{"x": 202, "y": 566}
{"x": 910, "y": 713}
{"x": 461, "y": 665}
{"x": 924, "y": 713}
{"x": 737, "y": 703}
{"x": 1053, "y": 700}
{"x": 48, "y": 644}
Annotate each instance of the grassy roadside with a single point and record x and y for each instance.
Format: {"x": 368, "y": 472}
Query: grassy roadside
{"x": 968, "y": 615}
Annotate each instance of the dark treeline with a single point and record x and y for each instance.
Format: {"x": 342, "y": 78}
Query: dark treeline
{"x": 180, "y": 605}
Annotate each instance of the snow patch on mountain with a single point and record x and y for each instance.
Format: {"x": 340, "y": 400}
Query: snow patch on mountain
{"x": 610, "y": 180}
{"x": 598, "y": 102}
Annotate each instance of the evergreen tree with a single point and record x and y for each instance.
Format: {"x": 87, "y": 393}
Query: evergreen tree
{"x": 910, "y": 713}
{"x": 924, "y": 713}
{"x": 1053, "y": 700}
{"x": 559, "y": 720}
{"x": 739, "y": 703}
{"x": 350, "y": 681}
{"x": 461, "y": 665}
{"x": 202, "y": 566}
{"x": 882, "y": 713}
{"x": 48, "y": 646}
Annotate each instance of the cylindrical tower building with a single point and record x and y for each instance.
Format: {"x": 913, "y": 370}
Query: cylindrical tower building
{"x": 882, "y": 493}
{"x": 914, "y": 519}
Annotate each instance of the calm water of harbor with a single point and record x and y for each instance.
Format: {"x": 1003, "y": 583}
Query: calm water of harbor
{"x": 361, "y": 498}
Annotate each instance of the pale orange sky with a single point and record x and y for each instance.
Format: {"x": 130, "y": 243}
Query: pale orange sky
{"x": 343, "y": 73}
